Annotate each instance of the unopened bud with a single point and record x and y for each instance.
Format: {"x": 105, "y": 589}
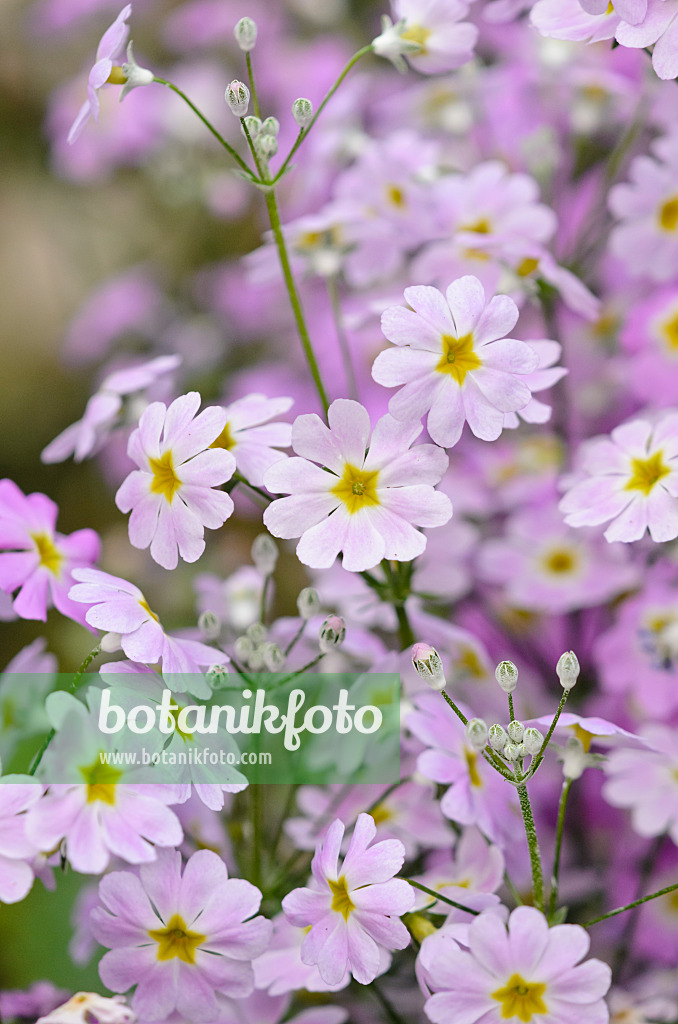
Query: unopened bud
{"x": 111, "y": 642}
{"x": 243, "y": 647}
{"x": 510, "y": 752}
{"x": 302, "y": 111}
{"x": 253, "y": 125}
{"x": 256, "y": 661}
{"x": 568, "y": 669}
{"x": 522, "y": 750}
{"x": 516, "y": 731}
{"x": 209, "y": 625}
{"x": 245, "y": 33}
{"x": 216, "y": 675}
{"x": 332, "y": 633}
{"x": 428, "y": 665}
{"x": 267, "y": 145}
{"x": 308, "y": 603}
{"x": 533, "y": 740}
{"x": 506, "y": 675}
{"x": 270, "y": 126}
{"x": 274, "y": 659}
{"x": 497, "y": 737}
{"x": 264, "y": 553}
{"x": 476, "y": 733}
{"x": 256, "y": 633}
{"x": 238, "y": 98}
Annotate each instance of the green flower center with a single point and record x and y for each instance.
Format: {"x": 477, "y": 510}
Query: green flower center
{"x": 175, "y": 940}
{"x": 520, "y": 998}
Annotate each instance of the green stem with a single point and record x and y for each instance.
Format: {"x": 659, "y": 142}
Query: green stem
{"x": 295, "y": 301}
{"x": 462, "y": 717}
{"x": 297, "y": 636}
{"x": 404, "y": 628}
{"x": 512, "y": 714}
{"x": 335, "y": 304}
{"x": 263, "y": 176}
{"x": 540, "y": 756}
{"x": 533, "y": 846}
{"x": 553, "y": 899}
{"x": 262, "y": 603}
{"x": 227, "y": 146}
{"x": 630, "y": 906}
{"x": 72, "y": 688}
{"x": 239, "y": 479}
{"x": 253, "y": 88}
{"x": 305, "y": 131}
{"x": 439, "y": 896}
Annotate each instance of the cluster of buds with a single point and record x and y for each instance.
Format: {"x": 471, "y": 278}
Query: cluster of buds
{"x": 264, "y": 134}
{"x": 256, "y": 652}
{"x": 514, "y": 742}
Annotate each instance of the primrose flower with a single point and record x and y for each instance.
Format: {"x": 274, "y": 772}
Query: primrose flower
{"x": 16, "y": 849}
{"x": 111, "y": 46}
{"x": 119, "y": 607}
{"x": 35, "y": 560}
{"x": 454, "y": 360}
{"x": 630, "y": 478}
{"x": 181, "y": 937}
{"x": 369, "y": 502}
{"x": 430, "y": 33}
{"x": 659, "y": 26}
{"x": 251, "y": 438}
{"x": 526, "y": 971}
{"x": 172, "y": 494}
{"x": 352, "y": 911}
{"x": 646, "y": 782}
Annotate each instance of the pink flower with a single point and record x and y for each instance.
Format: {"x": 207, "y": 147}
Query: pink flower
{"x": 117, "y": 606}
{"x": 180, "y": 937}
{"x": 646, "y": 239}
{"x": 369, "y": 502}
{"x": 250, "y": 437}
{"x": 443, "y": 41}
{"x": 36, "y": 560}
{"x": 566, "y": 19}
{"x": 353, "y": 911}
{"x": 650, "y": 338}
{"x": 630, "y": 478}
{"x": 646, "y": 782}
{"x": 528, "y": 971}
{"x": 659, "y": 26}
{"x": 544, "y": 377}
{"x": 469, "y": 875}
{"x": 17, "y": 851}
{"x": 111, "y": 46}
{"x": 454, "y": 360}
{"x": 172, "y": 494}
{"x": 280, "y": 968}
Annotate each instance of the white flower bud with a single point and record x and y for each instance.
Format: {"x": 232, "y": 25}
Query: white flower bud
{"x": 238, "y": 98}
{"x": 308, "y": 603}
{"x": 428, "y": 665}
{"x": 267, "y": 145}
{"x": 516, "y": 731}
{"x": 270, "y": 126}
{"x": 264, "y": 553}
{"x": 497, "y": 736}
{"x": 243, "y": 647}
{"x": 567, "y": 669}
{"x": 209, "y": 625}
{"x": 302, "y": 111}
{"x": 256, "y": 633}
{"x": 256, "y": 660}
{"x": 476, "y": 733}
{"x": 216, "y": 675}
{"x": 506, "y": 675}
{"x": 533, "y": 740}
{"x": 110, "y": 643}
{"x": 245, "y": 33}
{"x": 521, "y": 750}
{"x": 332, "y": 634}
{"x": 253, "y": 125}
{"x": 510, "y": 752}
{"x": 274, "y": 659}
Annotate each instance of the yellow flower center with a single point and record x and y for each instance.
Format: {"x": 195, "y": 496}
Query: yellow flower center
{"x": 610, "y": 8}
{"x": 480, "y": 227}
{"x": 176, "y": 940}
{"x": 117, "y": 76}
{"x": 458, "y": 357}
{"x": 341, "y": 901}
{"x": 527, "y": 267}
{"x": 668, "y": 214}
{"x": 584, "y": 736}
{"x": 669, "y": 330}
{"x": 50, "y": 556}
{"x": 469, "y": 663}
{"x": 357, "y": 488}
{"x": 101, "y": 780}
{"x": 145, "y": 606}
{"x": 520, "y": 998}
{"x": 561, "y": 560}
{"x": 645, "y": 473}
{"x": 417, "y": 34}
{"x": 396, "y": 196}
{"x": 380, "y": 814}
{"x": 165, "y": 481}
{"x": 471, "y": 759}
{"x": 225, "y": 439}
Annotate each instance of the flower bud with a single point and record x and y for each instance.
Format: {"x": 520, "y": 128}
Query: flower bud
{"x": 476, "y": 733}
{"x": 568, "y": 669}
{"x": 267, "y": 145}
{"x": 216, "y": 675}
{"x": 270, "y": 126}
{"x": 510, "y": 752}
{"x": 533, "y": 740}
{"x": 256, "y": 633}
{"x": 243, "y": 647}
{"x": 209, "y": 625}
{"x": 264, "y": 553}
{"x": 516, "y": 730}
{"x": 274, "y": 659}
{"x": 497, "y": 737}
{"x": 302, "y": 111}
{"x": 253, "y": 125}
{"x": 522, "y": 750}
{"x": 308, "y": 603}
{"x": 238, "y": 98}
{"x": 332, "y": 633}
{"x": 506, "y": 675}
{"x": 428, "y": 665}
{"x": 111, "y": 642}
{"x": 245, "y": 33}
{"x": 256, "y": 660}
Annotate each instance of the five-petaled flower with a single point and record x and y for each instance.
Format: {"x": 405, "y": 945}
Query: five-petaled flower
{"x": 110, "y": 48}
